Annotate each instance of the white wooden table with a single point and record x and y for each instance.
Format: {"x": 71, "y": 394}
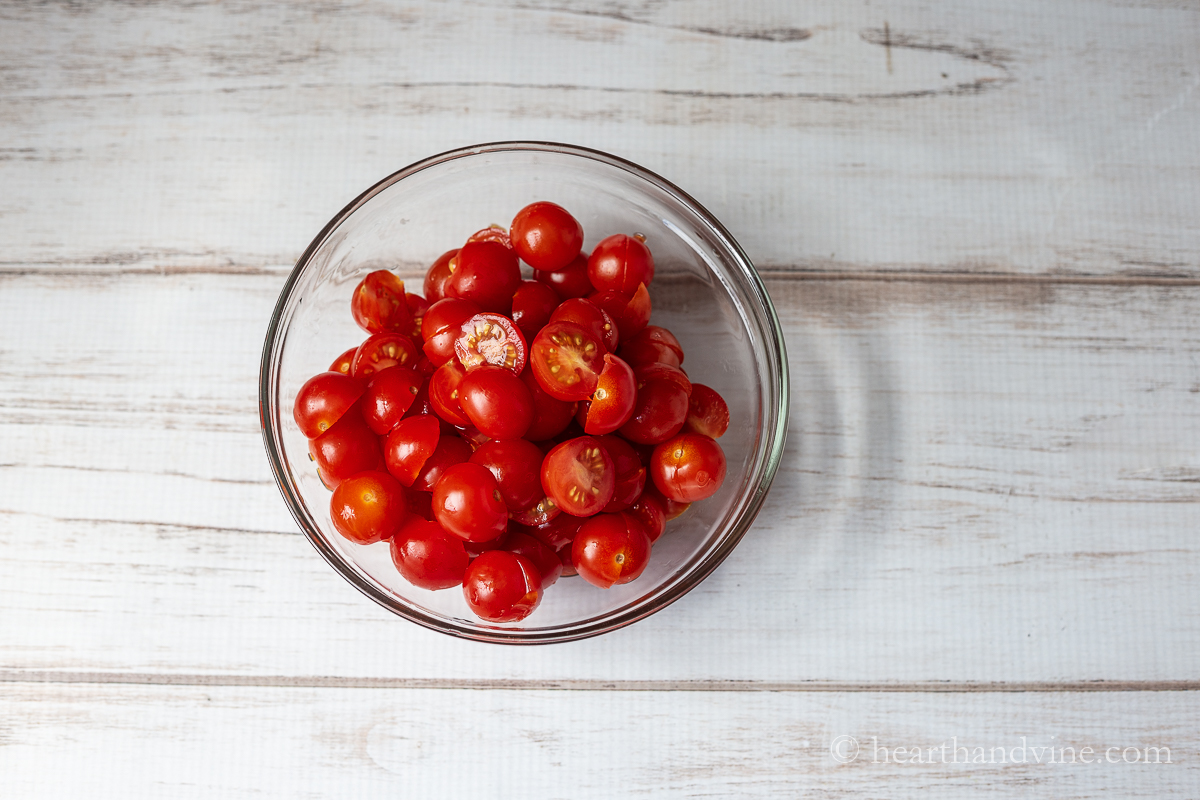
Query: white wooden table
{"x": 980, "y": 223}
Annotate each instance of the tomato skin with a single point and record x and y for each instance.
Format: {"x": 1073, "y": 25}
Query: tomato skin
{"x": 620, "y": 263}
{"x": 659, "y": 335}
{"x": 578, "y": 475}
{"x": 540, "y": 512}
{"x": 544, "y": 557}
{"x": 571, "y": 281}
{"x": 343, "y": 362}
{"x": 613, "y": 401}
{"x": 708, "y": 413}
{"x": 532, "y": 305}
{"x": 383, "y": 350}
{"x": 445, "y": 393}
{"x": 438, "y": 275}
{"x": 517, "y": 466}
{"x": 559, "y": 531}
{"x": 409, "y": 444}
{"x": 442, "y": 325}
{"x": 688, "y": 467}
{"x": 492, "y": 233}
{"x": 591, "y": 318}
{"x": 567, "y": 361}
{"x": 487, "y": 338}
{"x": 546, "y": 236}
{"x": 322, "y": 401}
{"x": 450, "y": 450}
{"x": 551, "y": 416}
{"x": 671, "y": 508}
{"x": 649, "y": 511}
{"x": 502, "y": 587}
{"x": 428, "y": 557}
{"x": 630, "y": 312}
{"x": 388, "y": 397}
{"x": 467, "y": 503}
{"x": 368, "y": 507}
{"x": 378, "y": 304}
{"x": 496, "y": 402}
{"x": 610, "y": 549}
{"x": 659, "y": 412}
{"x": 487, "y": 273}
{"x": 639, "y": 353}
{"x": 347, "y": 448}
{"x": 630, "y": 472}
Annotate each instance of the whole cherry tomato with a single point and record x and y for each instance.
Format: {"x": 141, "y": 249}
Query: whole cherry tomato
{"x": 620, "y": 263}
{"x": 571, "y": 281}
{"x": 688, "y": 468}
{"x": 378, "y": 304}
{"x": 578, "y": 475}
{"x": 323, "y": 399}
{"x": 428, "y": 557}
{"x": 630, "y": 472}
{"x": 496, "y": 402}
{"x": 368, "y": 507}
{"x": 610, "y": 549}
{"x": 546, "y": 236}
{"x": 467, "y": 503}
{"x": 532, "y": 305}
{"x": 658, "y": 413}
{"x": 551, "y": 416}
{"x": 649, "y": 511}
{"x": 502, "y": 587}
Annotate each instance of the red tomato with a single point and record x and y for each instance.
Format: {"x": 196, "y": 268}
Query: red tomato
{"x": 551, "y": 416}
{"x": 491, "y": 339}
{"x": 630, "y": 472}
{"x": 645, "y": 373}
{"x": 344, "y": 361}
{"x": 612, "y": 403}
{"x": 383, "y": 350}
{"x": 567, "y": 361}
{"x": 417, "y": 306}
{"x": 558, "y": 531}
{"x": 409, "y": 445}
{"x": 546, "y": 236}
{"x": 502, "y": 587}
{"x": 659, "y": 412}
{"x": 517, "y": 466}
{"x": 428, "y": 557}
{"x": 492, "y": 233}
{"x": 347, "y": 448}
{"x": 590, "y": 317}
{"x": 436, "y": 278}
{"x": 467, "y": 503}
{"x": 630, "y": 312}
{"x": 388, "y": 397}
{"x": 532, "y": 305}
{"x": 659, "y": 335}
{"x": 671, "y": 508}
{"x": 450, "y": 450}
{"x": 442, "y": 325}
{"x": 637, "y": 353}
{"x": 445, "y": 394}
{"x": 368, "y": 507}
{"x": 323, "y": 399}
{"x": 378, "y": 304}
{"x": 487, "y": 273}
{"x": 544, "y": 557}
{"x": 649, "y": 511}
{"x": 420, "y": 504}
{"x": 688, "y": 468}
{"x": 541, "y": 512}
{"x": 564, "y": 555}
{"x": 496, "y": 402}
{"x": 578, "y": 475}
{"x": 571, "y": 281}
{"x": 610, "y": 549}
{"x": 707, "y": 412}
{"x": 620, "y": 263}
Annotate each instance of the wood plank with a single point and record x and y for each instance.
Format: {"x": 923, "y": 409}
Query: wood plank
{"x": 961, "y": 137}
{"x": 131, "y": 741}
{"x": 983, "y": 483}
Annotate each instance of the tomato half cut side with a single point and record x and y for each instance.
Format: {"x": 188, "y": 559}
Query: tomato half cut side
{"x": 492, "y": 233}
{"x": 708, "y": 414}
{"x": 591, "y": 318}
{"x": 630, "y": 312}
{"x": 438, "y": 276}
{"x": 383, "y": 350}
{"x": 343, "y": 362}
{"x": 578, "y": 475}
{"x": 444, "y": 393}
{"x": 378, "y": 303}
{"x": 488, "y": 338}
{"x": 409, "y": 445}
{"x": 567, "y": 361}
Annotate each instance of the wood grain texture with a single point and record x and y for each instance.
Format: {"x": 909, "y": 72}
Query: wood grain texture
{"x": 134, "y": 742}
{"x": 951, "y": 137}
{"x": 983, "y": 483}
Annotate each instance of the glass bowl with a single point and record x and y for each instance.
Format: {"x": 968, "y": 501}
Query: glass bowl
{"x": 705, "y": 291}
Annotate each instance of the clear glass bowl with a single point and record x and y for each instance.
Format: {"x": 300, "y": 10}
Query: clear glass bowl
{"x": 705, "y": 291}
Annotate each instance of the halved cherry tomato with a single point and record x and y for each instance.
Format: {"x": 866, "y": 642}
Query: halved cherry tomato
{"x": 571, "y": 281}
{"x": 496, "y": 402}
{"x": 649, "y": 511}
{"x": 544, "y": 557}
{"x": 438, "y": 275}
{"x": 409, "y": 445}
{"x": 368, "y": 507}
{"x": 578, "y": 475}
{"x": 486, "y": 273}
{"x": 343, "y": 362}
{"x": 546, "y": 236}
{"x": 428, "y": 557}
{"x": 707, "y": 412}
{"x": 347, "y": 448}
{"x": 688, "y": 467}
{"x": 671, "y": 508}
{"x": 610, "y": 549}
{"x": 517, "y": 467}
{"x": 378, "y": 304}
{"x": 659, "y": 335}
{"x": 630, "y": 312}
{"x": 417, "y": 306}
{"x": 467, "y": 503}
{"x": 613, "y": 401}
{"x": 551, "y": 416}
{"x": 567, "y": 361}
{"x": 383, "y": 350}
{"x": 444, "y": 393}
{"x": 660, "y": 371}
{"x": 442, "y": 325}
{"x": 591, "y": 318}
{"x": 323, "y": 399}
{"x": 488, "y": 338}
{"x": 388, "y": 397}
{"x": 630, "y": 472}
{"x": 492, "y": 233}
{"x": 532, "y": 305}
{"x": 659, "y": 412}
{"x": 450, "y": 450}
{"x": 620, "y": 263}
{"x": 541, "y": 512}
{"x": 502, "y": 587}
{"x": 558, "y": 531}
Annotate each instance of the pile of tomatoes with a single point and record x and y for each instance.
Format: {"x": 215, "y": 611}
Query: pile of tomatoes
{"x": 501, "y": 432}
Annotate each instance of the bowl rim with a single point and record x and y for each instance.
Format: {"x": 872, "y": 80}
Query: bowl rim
{"x": 640, "y": 609}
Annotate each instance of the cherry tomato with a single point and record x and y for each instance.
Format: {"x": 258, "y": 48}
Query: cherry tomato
{"x": 567, "y": 361}
{"x": 564, "y": 555}
{"x": 496, "y": 402}
{"x": 450, "y": 450}
{"x": 558, "y": 531}
{"x": 347, "y": 448}
{"x": 660, "y": 371}
{"x": 610, "y": 549}
{"x": 383, "y": 350}
{"x": 428, "y": 557}
{"x": 445, "y": 395}
{"x": 662, "y": 336}
{"x": 442, "y": 325}
{"x": 479, "y": 548}
{"x": 438, "y": 275}
{"x": 591, "y": 318}
{"x": 492, "y": 233}
{"x": 487, "y": 338}
{"x": 707, "y": 412}
{"x": 620, "y": 263}
{"x": 323, "y": 399}
{"x": 378, "y": 304}
{"x": 544, "y": 557}
{"x": 649, "y": 511}
{"x": 551, "y": 416}
{"x": 344, "y": 361}
{"x": 638, "y": 352}
{"x": 546, "y": 236}
{"x": 658, "y": 413}
{"x": 571, "y": 281}
{"x": 388, "y": 397}
{"x": 612, "y": 403}
{"x": 532, "y": 305}
{"x": 487, "y": 273}
{"x": 688, "y": 468}
{"x": 578, "y": 475}
{"x": 467, "y": 503}
{"x": 502, "y": 587}
{"x": 409, "y": 445}
{"x": 420, "y": 504}
{"x": 630, "y": 472}
{"x": 671, "y": 508}
{"x": 630, "y": 312}
{"x": 368, "y": 507}
{"x": 541, "y": 512}
{"x": 417, "y": 306}
{"x": 517, "y": 466}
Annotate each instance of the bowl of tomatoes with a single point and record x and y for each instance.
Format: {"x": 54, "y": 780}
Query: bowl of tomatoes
{"x": 524, "y": 392}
